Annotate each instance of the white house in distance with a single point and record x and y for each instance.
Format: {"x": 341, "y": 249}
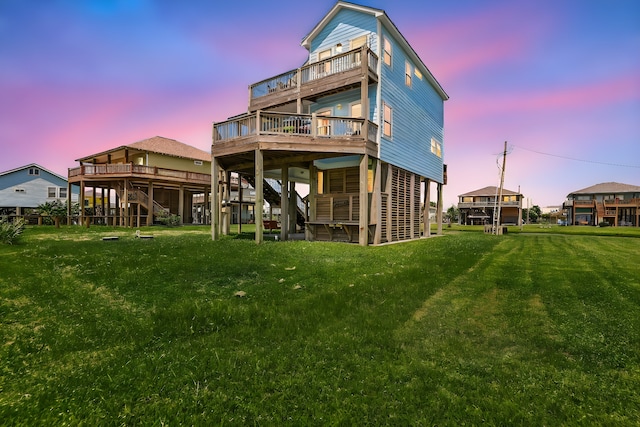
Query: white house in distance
{"x": 27, "y": 187}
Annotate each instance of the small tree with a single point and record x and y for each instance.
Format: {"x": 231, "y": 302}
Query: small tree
{"x": 533, "y": 213}
{"x": 452, "y": 214}
{"x": 53, "y": 212}
{"x": 11, "y": 231}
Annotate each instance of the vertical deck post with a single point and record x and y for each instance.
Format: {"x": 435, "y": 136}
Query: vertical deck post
{"x": 313, "y": 191}
{"x": 81, "y": 202}
{"x": 259, "y": 206}
{"x": 284, "y": 203}
{"x": 126, "y": 203}
{"x": 150, "y": 205}
{"x": 363, "y": 235}
{"x": 439, "y": 207}
{"x": 69, "y": 186}
{"x": 240, "y": 199}
{"x": 376, "y": 208}
{"x": 215, "y": 200}
{"x": 427, "y": 208}
{"x": 181, "y": 203}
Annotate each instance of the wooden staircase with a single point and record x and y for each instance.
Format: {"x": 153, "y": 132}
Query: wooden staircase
{"x": 272, "y": 193}
{"x": 136, "y": 195}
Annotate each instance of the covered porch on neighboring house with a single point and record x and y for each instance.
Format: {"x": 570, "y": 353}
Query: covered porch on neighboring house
{"x": 139, "y": 183}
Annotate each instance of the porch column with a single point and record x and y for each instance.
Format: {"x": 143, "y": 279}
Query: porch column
{"x": 376, "y": 202}
{"x": 150, "y": 204}
{"x": 81, "y": 202}
{"x": 69, "y": 185}
{"x": 227, "y": 210}
{"x": 439, "y": 208}
{"x": 93, "y": 204}
{"x": 103, "y": 212}
{"x": 293, "y": 207}
{"x": 364, "y": 84}
{"x": 108, "y": 211}
{"x": 215, "y": 199}
{"x": 412, "y": 204}
{"x": 313, "y": 190}
{"x": 240, "y": 197}
{"x": 284, "y": 203}
{"x": 426, "y": 208}
{"x": 259, "y": 178}
{"x": 364, "y": 201}
{"x": 181, "y": 203}
{"x": 125, "y": 202}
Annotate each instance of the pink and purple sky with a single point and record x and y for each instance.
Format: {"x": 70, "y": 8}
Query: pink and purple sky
{"x": 558, "y": 79}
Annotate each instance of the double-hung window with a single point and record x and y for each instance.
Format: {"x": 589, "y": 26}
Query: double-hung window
{"x": 387, "y": 120}
{"x": 387, "y": 56}
{"x": 407, "y": 73}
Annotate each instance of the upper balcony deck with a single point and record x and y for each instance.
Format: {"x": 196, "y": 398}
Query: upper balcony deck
{"x": 340, "y": 72}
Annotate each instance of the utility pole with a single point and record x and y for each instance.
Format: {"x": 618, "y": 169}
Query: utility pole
{"x": 496, "y": 219}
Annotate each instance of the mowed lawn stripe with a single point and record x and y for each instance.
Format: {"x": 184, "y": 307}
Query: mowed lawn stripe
{"x": 537, "y": 332}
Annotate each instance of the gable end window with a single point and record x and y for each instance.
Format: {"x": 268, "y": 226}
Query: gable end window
{"x": 387, "y": 51}
{"x": 358, "y": 42}
{"x": 34, "y": 171}
{"x": 387, "y": 118}
{"x": 407, "y": 73}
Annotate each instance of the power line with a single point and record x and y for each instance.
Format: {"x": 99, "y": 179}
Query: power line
{"x": 578, "y": 160}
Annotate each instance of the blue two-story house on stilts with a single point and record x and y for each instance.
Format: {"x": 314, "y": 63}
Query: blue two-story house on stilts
{"x": 361, "y": 122}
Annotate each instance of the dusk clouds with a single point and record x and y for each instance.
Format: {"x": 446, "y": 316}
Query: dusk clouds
{"x": 554, "y": 77}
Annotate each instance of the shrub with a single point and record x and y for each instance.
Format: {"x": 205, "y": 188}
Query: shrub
{"x": 11, "y": 231}
{"x": 169, "y": 219}
{"x": 604, "y": 224}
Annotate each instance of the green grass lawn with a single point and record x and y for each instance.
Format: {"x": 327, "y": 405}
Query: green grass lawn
{"x": 463, "y": 329}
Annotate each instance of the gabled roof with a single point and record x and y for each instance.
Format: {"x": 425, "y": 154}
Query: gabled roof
{"x": 32, "y": 165}
{"x": 608, "y": 187}
{"x": 160, "y": 145}
{"x": 490, "y": 191}
{"x": 381, "y": 16}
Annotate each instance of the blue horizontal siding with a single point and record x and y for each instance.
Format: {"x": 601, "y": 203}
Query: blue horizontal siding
{"x": 344, "y": 27}
{"x": 418, "y": 116}
{"x": 343, "y": 100}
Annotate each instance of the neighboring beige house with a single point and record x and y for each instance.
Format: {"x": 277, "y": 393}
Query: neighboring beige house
{"x": 131, "y": 184}
{"x": 611, "y": 202}
{"x": 477, "y": 207}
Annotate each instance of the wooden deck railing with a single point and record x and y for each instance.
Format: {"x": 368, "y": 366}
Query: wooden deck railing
{"x": 312, "y": 72}
{"x": 310, "y": 125}
{"x": 487, "y": 204}
{"x": 129, "y": 169}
